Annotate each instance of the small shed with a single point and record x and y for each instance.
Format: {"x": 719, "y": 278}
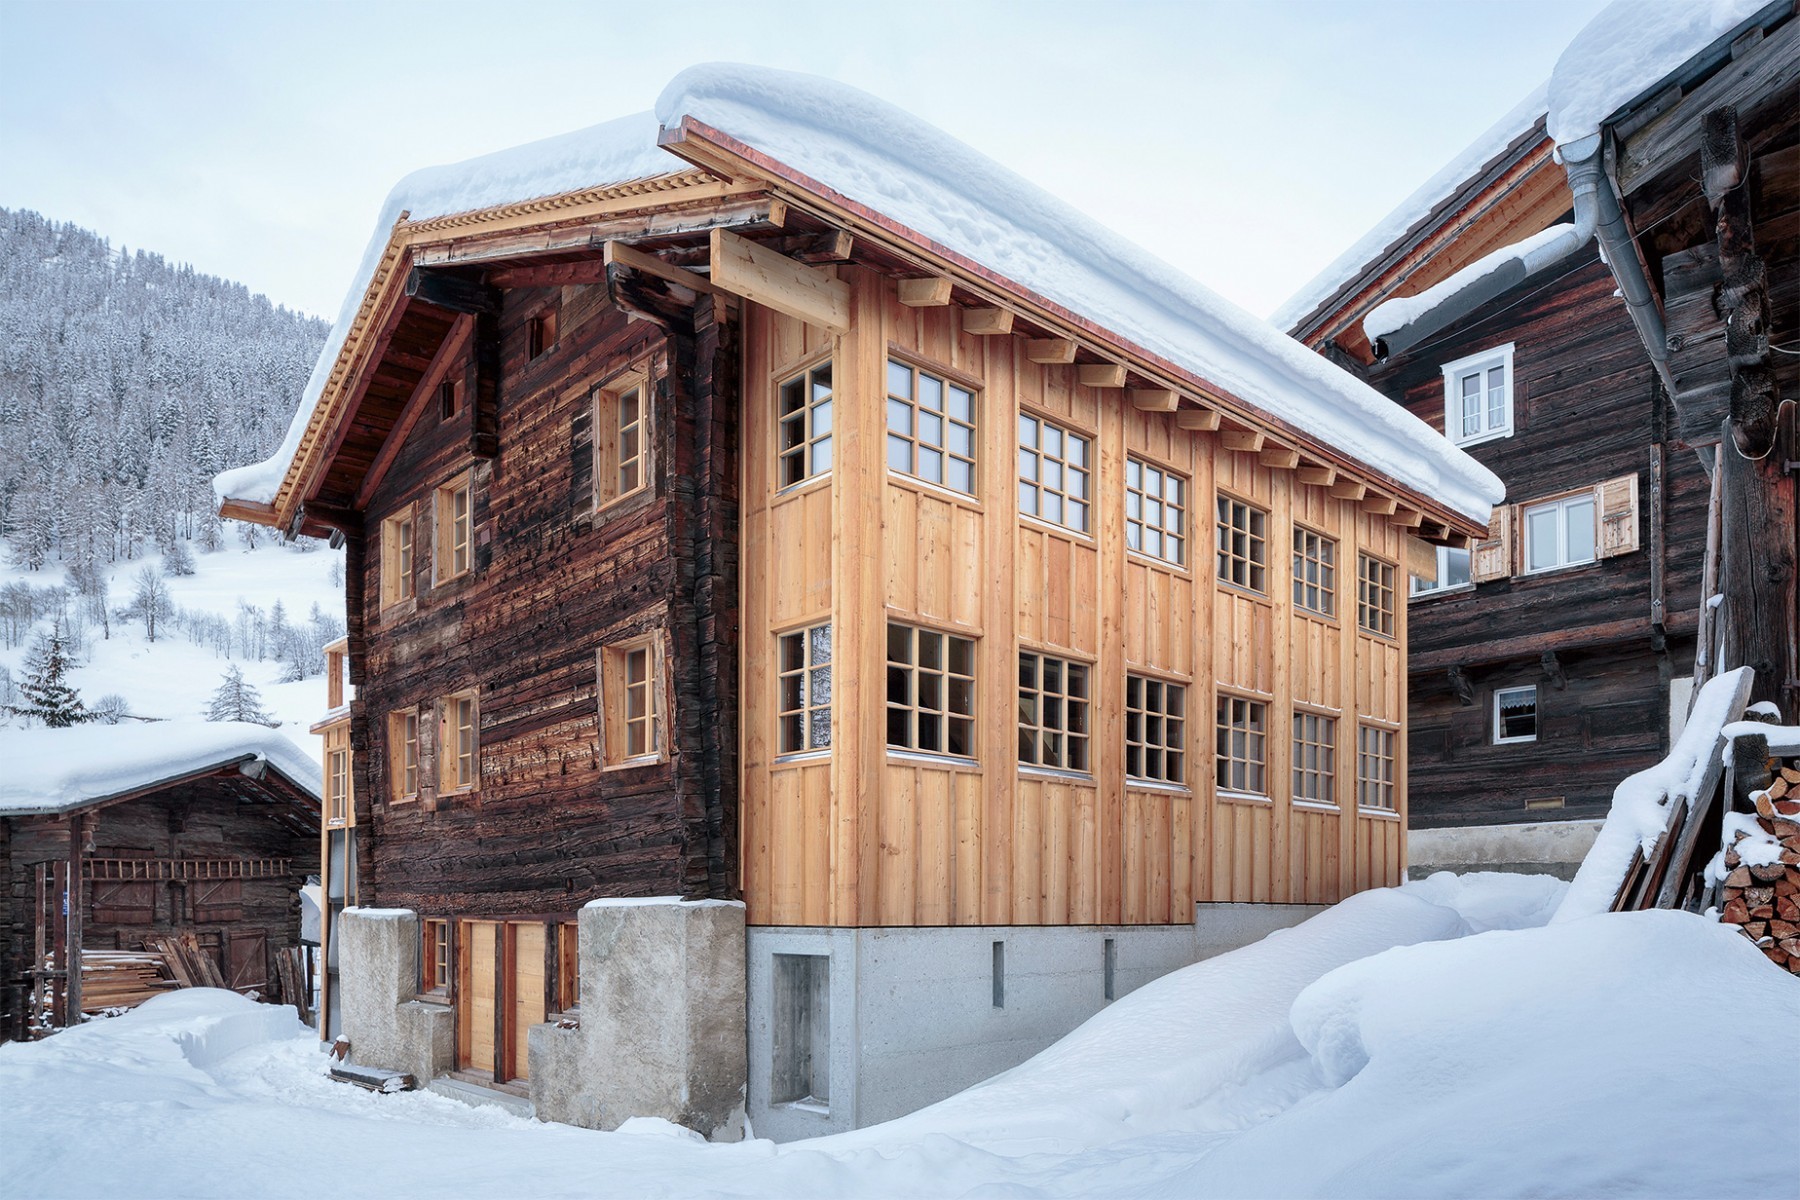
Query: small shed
{"x": 172, "y": 829}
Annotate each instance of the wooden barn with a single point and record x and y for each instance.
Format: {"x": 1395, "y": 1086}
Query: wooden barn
{"x": 1559, "y": 655}
{"x": 167, "y": 830}
{"x": 1002, "y": 628}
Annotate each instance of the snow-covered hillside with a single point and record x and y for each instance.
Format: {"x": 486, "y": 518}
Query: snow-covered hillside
{"x": 175, "y": 676}
{"x": 1435, "y": 1040}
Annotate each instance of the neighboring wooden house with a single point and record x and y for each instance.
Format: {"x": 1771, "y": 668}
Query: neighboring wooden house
{"x": 722, "y": 523}
{"x": 1558, "y": 656}
{"x": 207, "y": 828}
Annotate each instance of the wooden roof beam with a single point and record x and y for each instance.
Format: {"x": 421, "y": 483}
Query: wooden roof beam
{"x": 746, "y": 269}
{"x": 1154, "y": 399}
{"x": 925, "y": 293}
{"x": 1381, "y": 506}
{"x": 631, "y": 258}
{"x": 987, "y": 322}
{"x": 1203, "y": 419}
{"x": 1407, "y": 518}
{"x": 1050, "y": 350}
{"x": 1279, "y": 457}
{"x": 1348, "y": 489}
{"x": 1316, "y": 474}
{"x": 592, "y": 272}
{"x": 1244, "y": 441}
{"x": 1101, "y": 375}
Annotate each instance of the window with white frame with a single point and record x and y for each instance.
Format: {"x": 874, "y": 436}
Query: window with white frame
{"x": 1515, "y": 714}
{"x": 632, "y": 717}
{"x": 1452, "y": 572}
{"x": 1053, "y": 473}
{"x": 1155, "y": 511}
{"x": 1559, "y": 533}
{"x": 804, "y": 672}
{"x": 805, "y": 419}
{"x": 930, "y": 427}
{"x": 1478, "y": 396}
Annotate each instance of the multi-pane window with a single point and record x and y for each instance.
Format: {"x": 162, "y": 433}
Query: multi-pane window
{"x": 1375, "y": 595}
{"x": 1375, "y": 767}
{"x": 1452, "y": 572}
{"x": 337, "y": 787}
{"x": 1243, "y": 545}
{"x": 403, "y": 753}
{"x": 630, "y": 696}
{"x": 1155, "y": 512}
{"x": 930, "y": 427}
{"x": 455, "y": 548}
{"x": 397, "y": 558}
{"x": 930, "y": 691}
{"x": 1516, "y": 714}
{"x": 1315, "y": 572}
{"x": 1053, "y": 712}
{"x": 1242, "y": 757}
{"x": 1155, "y": 730}
{"x": 1478, "y": 396}
{"x": 1559, "y": 533}
{"x": 804, "y": 685}
{"x": 1315, "y": 758}
{"x": 622, "y": 447}
{"x": 1054, "y": 470}
{"x": 805, "y": 421}
{"x": 434, "y": 955}
{"x": 458, "y": 744}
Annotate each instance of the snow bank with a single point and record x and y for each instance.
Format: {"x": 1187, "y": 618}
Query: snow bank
{"x": 1582, "y": 1059}
{"x": 1415, "y": 208}
{"x": 1640, "y": 805}
{"x": 1532, "y": 253}
{"x": 1630, "y": 47}
{"x": 1492, "y": 899}
{"x": 55, "y": 770}
{"x": 912, "y": 172}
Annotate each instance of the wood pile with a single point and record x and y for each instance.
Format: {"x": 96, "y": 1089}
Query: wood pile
{"x": 122, "y": 978}
{"x": 1761, "y": 893}
{"x": 188, "y": 963}
{"x": 291, "y": 975}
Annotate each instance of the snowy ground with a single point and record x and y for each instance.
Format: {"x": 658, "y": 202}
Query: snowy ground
{"x": 1437, "y": 1040}
{"x": 173, "y": 678}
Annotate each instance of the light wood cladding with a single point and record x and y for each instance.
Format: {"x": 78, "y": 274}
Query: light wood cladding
{"x": 861, "y": 836}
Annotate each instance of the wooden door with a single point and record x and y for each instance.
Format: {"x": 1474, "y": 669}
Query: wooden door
{"x": 248, "y": 957}
{"x": 526, "y": 988}
{"x": 475, "y": 995}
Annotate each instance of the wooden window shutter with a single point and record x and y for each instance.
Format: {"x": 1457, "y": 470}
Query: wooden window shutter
{"x": 1492, "y": 557}
{"x": 581, "y": 460}
{"x": 1616, "y": 501}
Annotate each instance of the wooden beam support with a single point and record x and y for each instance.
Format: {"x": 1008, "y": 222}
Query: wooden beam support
{"x": 453, "y": 292}
{"x": 1381, "y": 506}
{"x": 1154, "y": 399}
{"x": 1050, "y": 350}
{"x": 483, "y": 388}
{"x": 1244, "y": 441}
{"x": 925, "y": 293}
{"x": 453, "y": 352}
{"x": 1101, "y": 375}
{"x": 743, "y": 268}
{"x": 631, "y": 258}
{"x": 987, "y": 322}
{"x": 1407, "y": 518}
{"x": 1204, "y": 419}
{"x": 832, "y": 246}
{"x": 1317, "y": 475}
{"x": 1279, "y": 457}
{"x": 575, "y": 274}
{"x": 1348, "y": 489}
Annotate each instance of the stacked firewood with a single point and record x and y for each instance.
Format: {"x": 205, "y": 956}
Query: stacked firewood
{"x": 121, "y": 978}
{"x": 1762, "y": 858}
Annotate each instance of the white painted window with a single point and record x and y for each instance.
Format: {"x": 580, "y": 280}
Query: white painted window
{"x": 1452, "y": 572}
{"x": 1559, "y": 533}
{"x": 1515, "y": 714}
{"x": 1478, "y": 396}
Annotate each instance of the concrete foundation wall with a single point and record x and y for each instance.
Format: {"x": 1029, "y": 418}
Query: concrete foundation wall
{"x": 377, "y": 986}
{"x": 915, "y": 1015}
{"x": 1539, "y": 848}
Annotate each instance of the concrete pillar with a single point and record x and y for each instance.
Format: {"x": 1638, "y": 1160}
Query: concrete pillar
{"x": 378, "y": 983}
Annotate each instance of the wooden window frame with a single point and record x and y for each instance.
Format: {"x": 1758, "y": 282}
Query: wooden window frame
{"x": 540, "y": 333}
{"x": 403, "y": 755}
{"x": 1048, "y": 724}
{"x": 445, "y": 531}
{"x": 1167, "y": 721}
{"x": 1242, "y": 549}
{"x": 616, "y": 690}
{"x": 1435, "y": 585}
{"x": 1314, "y": 761}
{"x": 1377, "y": 746}
{"x": 1139, "y": 499}
{"x": 1498, "y": 723}
{"x": 798, "y": 704}
{"x": 1229, "y": 768}
{"x": 1498, "y": 358}
{"x": 399, "y": 557}
{"x": 910, "y": 708}
{"x": 800, "y": 443}
{"x": 337, "y": 788}
{"x": 435, "y": 959}
{"x": 1073, "y": 489}
{"x": 913, "y": 438}
{"x": 1376, "y": 580}
{"x": 610, "y": 430}
{"x": 451, "y": 779}
{"x": 1561, "y": 506}
{"x": 1315, "y": 572}
{"x": 450, "y": 400}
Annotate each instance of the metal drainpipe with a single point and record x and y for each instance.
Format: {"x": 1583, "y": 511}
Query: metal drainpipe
{"x": 1597, "y": 205}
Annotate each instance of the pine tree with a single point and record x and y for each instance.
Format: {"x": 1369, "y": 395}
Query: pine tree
{"x": 237, "y": 700}
{"x": 45, "y": 695}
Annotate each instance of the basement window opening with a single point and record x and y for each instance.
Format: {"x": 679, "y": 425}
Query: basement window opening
{"x": 800, "y": 1071}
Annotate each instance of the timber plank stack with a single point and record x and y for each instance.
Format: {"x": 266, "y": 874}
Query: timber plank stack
{"x": 191, "y": 966}
{"x": 122, "y": 978}
{"x": 1762, "y": 889}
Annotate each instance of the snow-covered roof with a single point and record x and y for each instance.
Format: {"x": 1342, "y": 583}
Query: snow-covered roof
{"x": 1391, "y": 229}
{"x": 1545, "y": 246}
{"x": 60, "y": 770}
{"x": 917, "y": 177}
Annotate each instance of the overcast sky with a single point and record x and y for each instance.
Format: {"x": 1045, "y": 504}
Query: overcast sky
{"x": 1249, "y": 143}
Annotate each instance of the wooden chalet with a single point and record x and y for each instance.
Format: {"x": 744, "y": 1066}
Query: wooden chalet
{"x": 718, "y": 533}
{"x": 168, "y": 830}
{"x": 1559, "y": 655}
